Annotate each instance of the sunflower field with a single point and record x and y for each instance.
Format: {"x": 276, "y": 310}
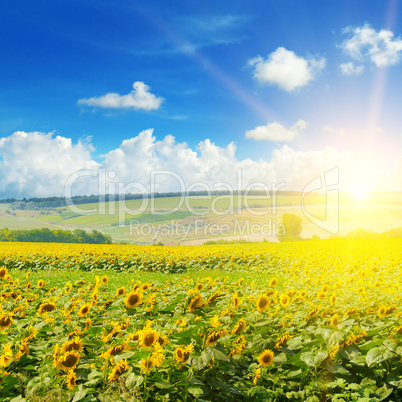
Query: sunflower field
{"x": 301, "y": 321}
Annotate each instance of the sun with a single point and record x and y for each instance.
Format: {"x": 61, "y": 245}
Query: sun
{"x": 360, "y": 192}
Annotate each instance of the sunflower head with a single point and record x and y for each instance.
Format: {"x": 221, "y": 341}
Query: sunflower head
{"x": 68, "y": 361}
{"x": 214, "y": 337}
{"x": 104, "y": 280}
{"x": 148, "y": 337}
{"x": 334, "y": 320}
{"x": 133, "y": 299}
{"x": 47, "y": 307}
{"x": 145, "y": 287}
{"x": 3, "y": 272}
{"x": 74, "y": 344}
{"x": 183, "y": 353}
{"x": 266, "y": 358}
{"x": 41, "y": 283}
{"x": 118, "y": 370}
{"x": 195, "y": 302}
{"x": 120, "y": 291}
{"x": 273, "y": 282}
{"x": 284, "y": 300}
{"x": 71, "y": 380}
{"x": 84, "y": 310}
{"x": 6, "y": 320}
{"x": 262, "y": 303}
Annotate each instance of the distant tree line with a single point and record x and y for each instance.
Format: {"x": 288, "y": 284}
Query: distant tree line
{"x": 35, "y": 204}
{"x": 46, "y": 235}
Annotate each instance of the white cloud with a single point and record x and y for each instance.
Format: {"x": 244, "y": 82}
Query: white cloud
{"x": 285, "y": 69}
{"x": 276, "y": 132}
{"x": 138, "y": 98}
{"x": 379, "y": 47}
{"x": 38, "y": 164}
{"x": 351, "y": 69}
{"x": 338, "y": 131}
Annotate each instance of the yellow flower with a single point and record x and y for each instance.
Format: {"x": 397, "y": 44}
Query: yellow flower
{"x": 183, "y": 353}
{"x": 333, "y": 299}
{"x": 215, "y": 323}
{"x": 68, "y": 361}
{"x": 6, "y": 320}
{"x": 71, "y": 380}
{"x": 41, "y": 283}
{"x": 133, "y": 299}
{"x": 257, "y": 376}
{"x": 147, "y": 365}
{"x": 262, "y": 303}
{"x": 104, "y": 280}
{"x": 118, "y": 370}
{"x": 7, "y": 356}
{"x": 240, "y": 326}
{"x": 273, "y": 282}
{"x": 84, "y": 310}
{"x": 284, "y": 300}
{"x": 47, "y": 307}
{"x": 74, "y": 344}
{"x": 334, "y": 320}
{"x": 148, "y": 337}
{"x": 195, "y": 302}
{"x": 120, "y": 291}
{"x": 3, "y": 272}
{"x": 266, "y": 358}
{"x": 214, "y": 337}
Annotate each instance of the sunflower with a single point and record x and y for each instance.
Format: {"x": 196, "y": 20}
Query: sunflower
{"x": 133, "y": 299}
{"x": 148, "y": 337}
{"x": 257, "y": 376}
{"x": 382, "y": 312}
{"x": 118, "y": 370}
{"x": 183, "y": 353}
{"x": 120, "y": 291}
{"x": 104, "y": 280}
{"x": 6, "y": 320}
{"x": 236, "y": 300}
{"x": 41, "y": 283}
{"x": 145, "y": 287}
{"x": 23, "y": 349}
{"x": 71, "y": 380}
{"x": 84, "y": 309}
{"x": 67, "y": 287}
{"x": 262, "y": 303}
{"x": 74, "y": 344}
{"x": 273, "y": 282}
{"x": 3, "y": 272}
{"x": 332, "y": 299}
{"x": 68, "y": 361}
{"x": 284, "y": 300}
{"x": 195, "y": 302}
{"x": 47, "y": 307}
{"x": 28, "y": 285}
{"x": 266, "y": 358}
{"x": 334, "y": 320}
{"x": 214, "y": 337}
{"x": 7, "y": 356}
{"x": 240, "y": 326}
{"x": 147, "y": 365}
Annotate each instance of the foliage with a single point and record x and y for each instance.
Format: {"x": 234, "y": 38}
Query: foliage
{"x": 54, "y": 236}
{"x": 292, "y": 228}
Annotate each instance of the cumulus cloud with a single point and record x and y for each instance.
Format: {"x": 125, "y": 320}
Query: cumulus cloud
{"x": 350, "y": 69}
{"x": 285, "y": 69}
{"x": 138, "y": 98}
{"x": 276, "y": 132}
{"x": 39, "y": 164}
{"x": 379, "y": 47}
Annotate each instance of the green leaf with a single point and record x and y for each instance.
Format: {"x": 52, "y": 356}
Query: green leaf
{"x": 80, "y": 394}
{"x": 134, "y": 381}
{"x": 162, "y": 384}
{"x": 378, "y": 355}
{"x": 195, "y": 391}
{"x": 313, "y": 360}
{"x": 199, "y": 362}
{"x": 220, "y": 355}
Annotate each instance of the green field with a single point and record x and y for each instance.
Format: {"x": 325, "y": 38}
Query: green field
{"x": 188, "y": 220}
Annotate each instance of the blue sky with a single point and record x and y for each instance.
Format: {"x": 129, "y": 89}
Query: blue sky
{"x": 309, "y": 74}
